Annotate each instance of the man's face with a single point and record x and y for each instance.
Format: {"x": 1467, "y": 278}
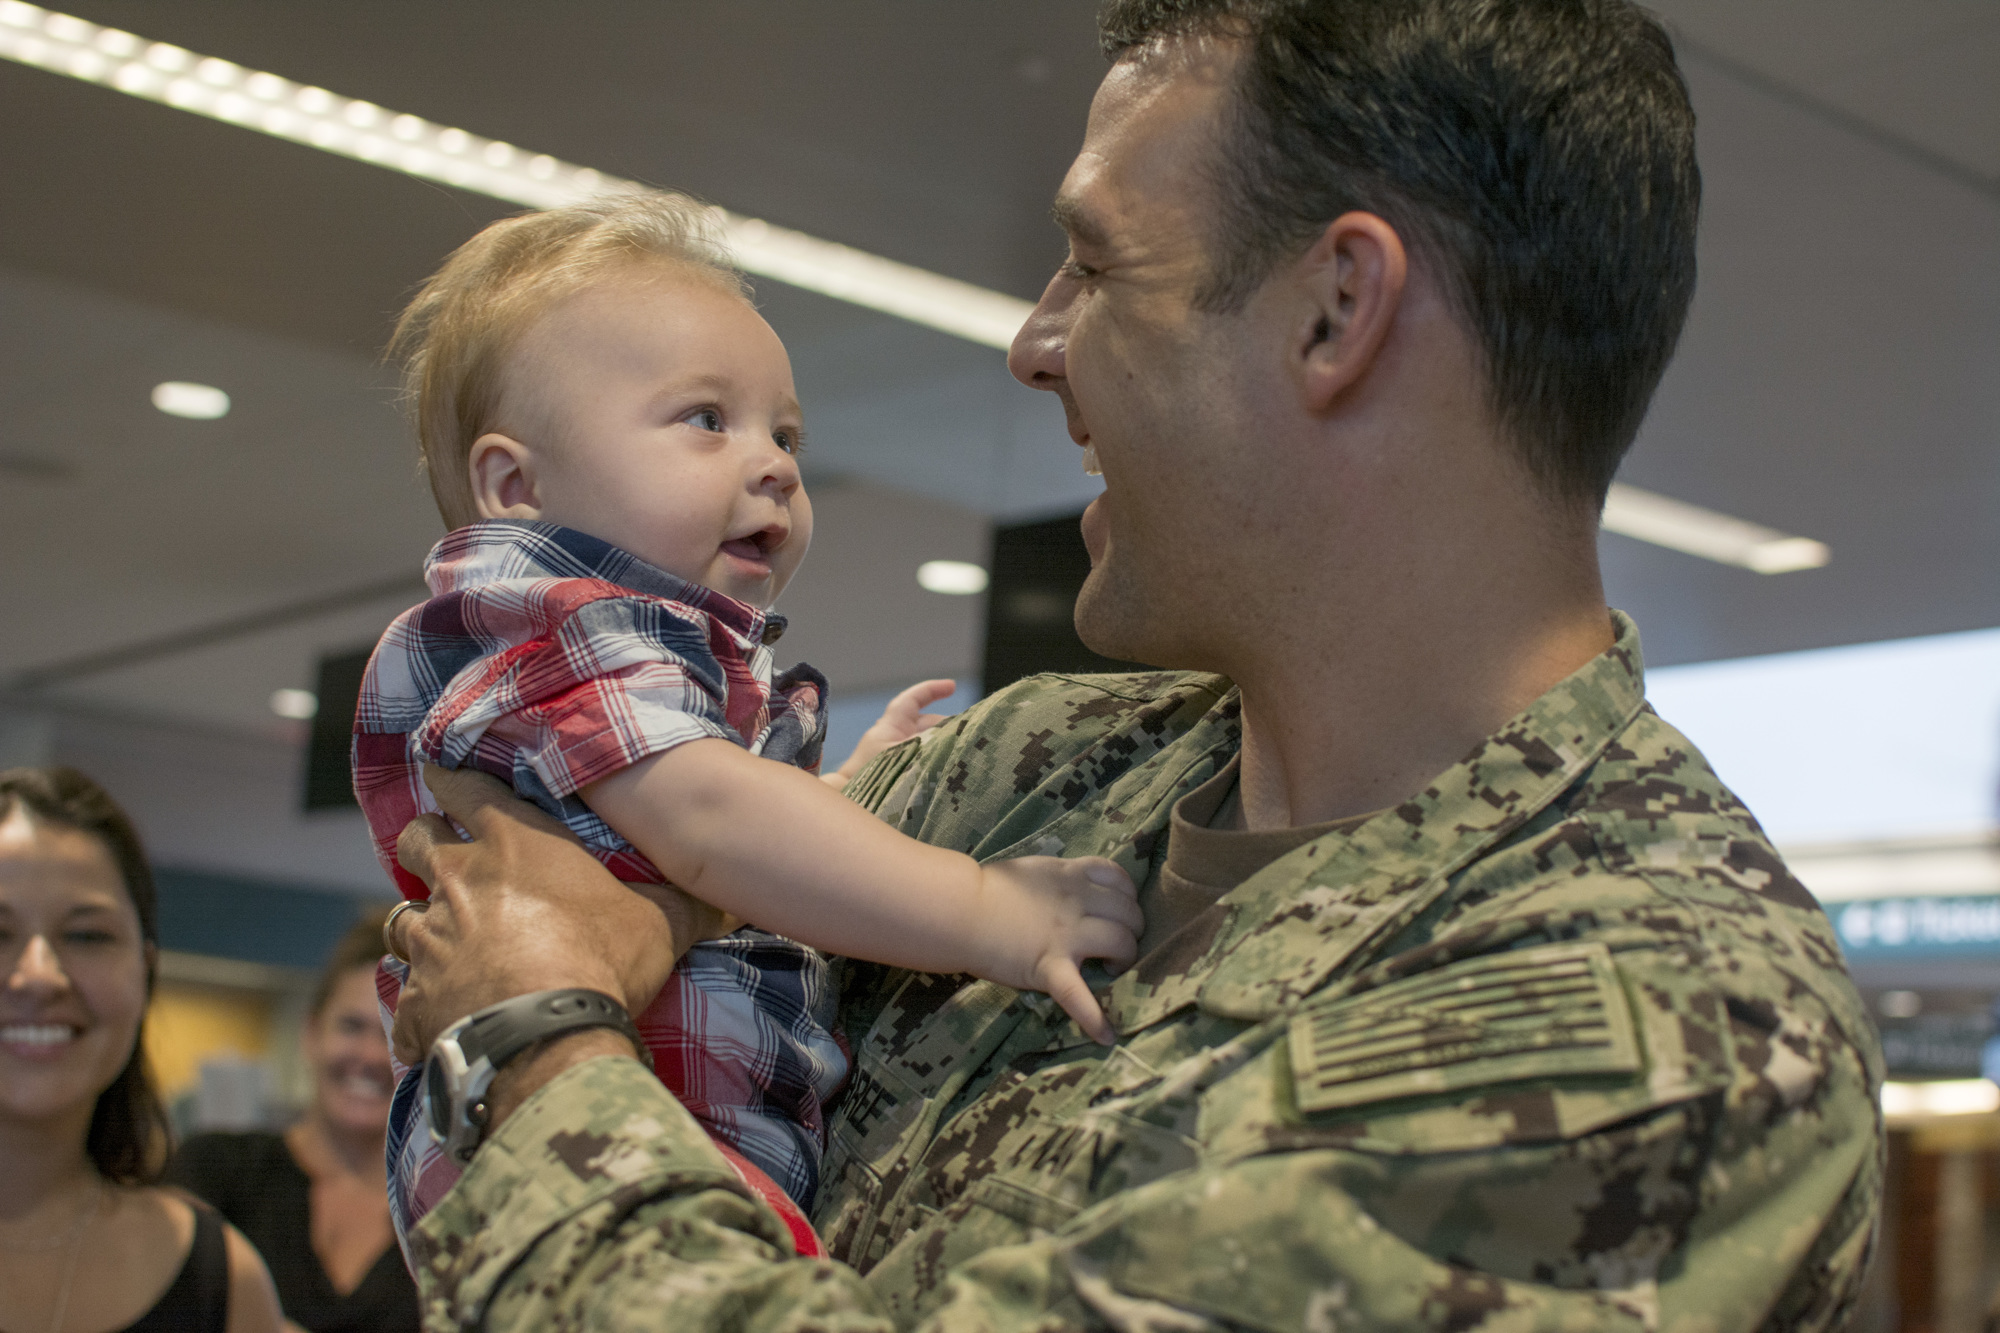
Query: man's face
{"x": 1162, "y": 393}
{"x": 661, "y": 413}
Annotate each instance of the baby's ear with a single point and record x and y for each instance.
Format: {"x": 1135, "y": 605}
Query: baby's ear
{"x": 502, "y": 472}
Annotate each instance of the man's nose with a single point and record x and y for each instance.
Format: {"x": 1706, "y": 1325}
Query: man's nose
{"x": 1038, "y": 355}
{"x": 38, "y": 971}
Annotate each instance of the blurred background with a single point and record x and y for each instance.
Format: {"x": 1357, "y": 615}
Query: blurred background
{"x": 189, "y": 576}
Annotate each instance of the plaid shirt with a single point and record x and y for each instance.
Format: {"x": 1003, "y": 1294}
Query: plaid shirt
{"x": 552, "y": 659}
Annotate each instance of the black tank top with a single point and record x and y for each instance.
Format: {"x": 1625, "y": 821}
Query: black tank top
{"x": 198, "y": 1301}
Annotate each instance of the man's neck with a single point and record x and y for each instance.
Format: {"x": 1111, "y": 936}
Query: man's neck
{"x": 1348, "y": 722}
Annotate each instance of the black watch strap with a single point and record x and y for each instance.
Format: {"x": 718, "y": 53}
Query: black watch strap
{"x": 502, "y": 1031}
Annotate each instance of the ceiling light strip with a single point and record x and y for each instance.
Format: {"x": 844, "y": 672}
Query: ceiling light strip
{"x": 274, "y": 105}
{"x": 1631, "y": 512}
{"x": 271, "y": 104}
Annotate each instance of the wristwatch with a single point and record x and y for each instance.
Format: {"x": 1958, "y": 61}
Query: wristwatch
{"x": 467, "y": 1055}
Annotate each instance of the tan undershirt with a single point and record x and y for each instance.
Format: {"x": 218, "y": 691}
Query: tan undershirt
{"x": 1209, "y": 853}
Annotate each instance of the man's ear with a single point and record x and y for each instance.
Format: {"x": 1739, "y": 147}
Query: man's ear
{"x": 1353, "y": 279}
{"x": 502, "y": 472}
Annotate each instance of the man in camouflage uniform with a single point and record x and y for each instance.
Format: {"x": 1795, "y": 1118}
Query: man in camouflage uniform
{"x": 1469, "y": 997}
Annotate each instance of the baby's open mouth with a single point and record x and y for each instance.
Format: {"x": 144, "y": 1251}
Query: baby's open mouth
{"x": 757, "y": 546}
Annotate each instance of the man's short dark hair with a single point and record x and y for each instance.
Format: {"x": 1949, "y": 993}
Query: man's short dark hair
{"x": 1537, "y": 154}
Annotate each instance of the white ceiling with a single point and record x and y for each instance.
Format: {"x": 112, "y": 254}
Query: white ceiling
{"x": 1837, "y": 380}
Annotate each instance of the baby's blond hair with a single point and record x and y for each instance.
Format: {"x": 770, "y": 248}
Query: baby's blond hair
{"x": 454, "y": 337}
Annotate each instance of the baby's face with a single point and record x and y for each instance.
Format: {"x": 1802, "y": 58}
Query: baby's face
{"x": 658, "y": 413}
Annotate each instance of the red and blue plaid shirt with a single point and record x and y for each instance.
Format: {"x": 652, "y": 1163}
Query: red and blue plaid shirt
{"x": 552, "y": 659}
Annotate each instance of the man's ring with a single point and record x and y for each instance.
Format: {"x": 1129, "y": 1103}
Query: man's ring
{"x": 418, "y": 905}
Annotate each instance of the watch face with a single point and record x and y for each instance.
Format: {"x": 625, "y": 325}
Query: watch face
{"x": 437, "y": 1097}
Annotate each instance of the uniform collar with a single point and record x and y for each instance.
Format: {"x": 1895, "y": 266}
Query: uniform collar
{"x": 495, "y": 549}
{"x": 1293, "y": 924}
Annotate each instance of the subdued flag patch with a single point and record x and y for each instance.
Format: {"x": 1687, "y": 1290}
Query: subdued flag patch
{"x": 1547, "y": 1012}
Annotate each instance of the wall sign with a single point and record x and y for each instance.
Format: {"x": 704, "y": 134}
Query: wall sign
{"x": 1901, "y": 927}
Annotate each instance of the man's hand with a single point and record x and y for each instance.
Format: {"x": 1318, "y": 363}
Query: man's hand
{"x": 523, "y": 907}
{"x": 903, "y": 718}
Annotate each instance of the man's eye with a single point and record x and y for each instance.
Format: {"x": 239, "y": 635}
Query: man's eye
{"x": 1077, "y": 271}
{"x": 706, "y": 419}
{"x": 89, "y": 936}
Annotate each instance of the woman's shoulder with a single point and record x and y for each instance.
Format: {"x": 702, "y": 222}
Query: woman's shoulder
{"x": 212, "y": 1257}
{"x": 155, "y": 1217}
{"x": 253, "y": 1297}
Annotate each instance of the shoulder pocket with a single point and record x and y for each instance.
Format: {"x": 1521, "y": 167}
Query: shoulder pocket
{"x": 1557, "y": 1011}
{"x": 874, "y": 782}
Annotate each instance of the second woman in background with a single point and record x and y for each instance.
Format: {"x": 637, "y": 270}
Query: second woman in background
{"x": 313, "y": 1200}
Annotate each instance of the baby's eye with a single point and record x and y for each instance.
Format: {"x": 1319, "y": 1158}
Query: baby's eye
{"x": 791, "y": 441}
{"x": 706, "y": 418}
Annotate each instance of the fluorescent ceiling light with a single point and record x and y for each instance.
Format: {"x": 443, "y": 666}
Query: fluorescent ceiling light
{"x": 956, "y": 577}
{"x": 272, "y": 104}
{"x": 257, "y": 100}
{"x": 1631, "y": 512}
{"x": 296, "y": 704}
{"x": 1900, "y": 1004}
{"x": 1950, "y": 1096}
{"x": 196, "y": 402}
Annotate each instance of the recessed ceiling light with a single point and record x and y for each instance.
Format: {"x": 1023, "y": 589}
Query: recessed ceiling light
{"x": 196, "y": 402}
{"x": 1631, "y": 512}
{"x": 956, "y": 577}
{"x": 295, "y": 704}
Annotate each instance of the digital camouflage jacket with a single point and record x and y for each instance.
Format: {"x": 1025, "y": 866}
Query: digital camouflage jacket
{"x": 1558, "y": 1043}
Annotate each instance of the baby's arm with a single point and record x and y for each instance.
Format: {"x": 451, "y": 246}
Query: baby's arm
{"x": 777, "y": 847}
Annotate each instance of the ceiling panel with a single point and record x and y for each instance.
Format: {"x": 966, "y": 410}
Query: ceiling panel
{"x": 1836, "y": 380}
{"x": 1927, "y": 71}
{"x": 906, "y": 127}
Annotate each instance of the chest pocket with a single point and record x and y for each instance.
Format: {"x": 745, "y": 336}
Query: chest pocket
{"x": 926, "y": 1045}
{"x": 1032, "y": 1151}
{"x": 1057, "y": 1169}
{"x": 879, "y": 1114}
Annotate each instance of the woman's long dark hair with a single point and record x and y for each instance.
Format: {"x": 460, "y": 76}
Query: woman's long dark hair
{"x": 129, "y": 1131}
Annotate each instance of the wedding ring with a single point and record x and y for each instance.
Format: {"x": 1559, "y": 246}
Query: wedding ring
{"x": 418, "y": 905}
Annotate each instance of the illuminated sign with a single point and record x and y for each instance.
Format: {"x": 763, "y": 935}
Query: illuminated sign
{"x": 1884, "y": 926}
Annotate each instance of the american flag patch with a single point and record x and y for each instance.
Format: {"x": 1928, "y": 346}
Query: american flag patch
{"x": 1548, "y": 1012}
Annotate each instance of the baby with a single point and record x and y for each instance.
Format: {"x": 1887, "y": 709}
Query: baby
{"x": 612, "y": 436}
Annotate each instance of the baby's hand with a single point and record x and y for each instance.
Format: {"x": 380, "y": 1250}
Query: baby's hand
{"x": 1044, "y": 915}
{"x": 903, "y": 718}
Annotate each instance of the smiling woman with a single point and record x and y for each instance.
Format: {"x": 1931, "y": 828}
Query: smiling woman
{"x": 86, "y": 1239}
{"x": 313, "y": 1200}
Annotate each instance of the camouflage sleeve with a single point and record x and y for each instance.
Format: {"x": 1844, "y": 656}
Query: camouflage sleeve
{"x": 600, "y": 1205}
